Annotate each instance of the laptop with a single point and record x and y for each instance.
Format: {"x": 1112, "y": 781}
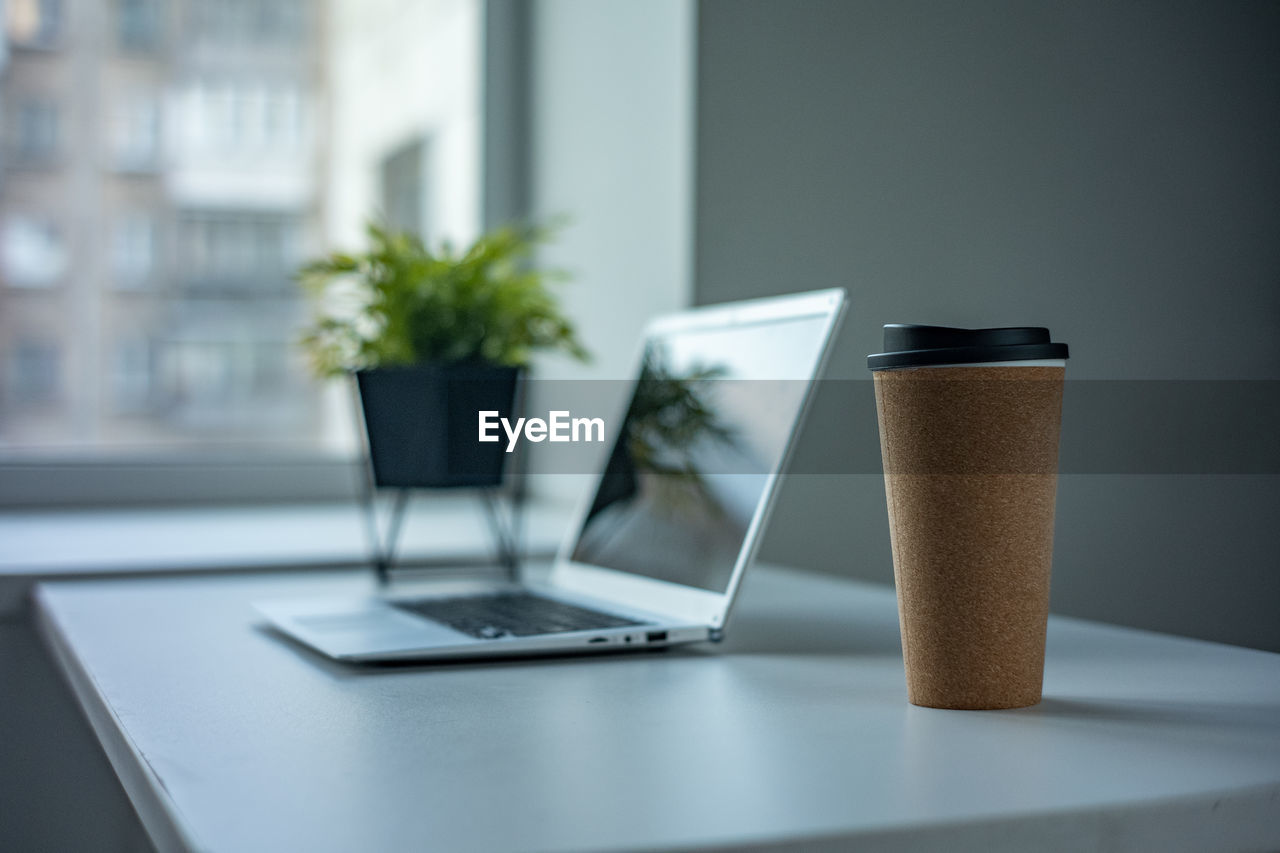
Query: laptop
{"x": 661, "y": 539}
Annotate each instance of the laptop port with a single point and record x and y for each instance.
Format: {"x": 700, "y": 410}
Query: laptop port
{"x": 598, "y": 640}
{"x": 656, "y": 636}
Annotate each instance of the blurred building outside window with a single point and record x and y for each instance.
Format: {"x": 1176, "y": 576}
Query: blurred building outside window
{"x": 133, "y": 251}
{"x": 404, "y": 192}
{"x": 139, "y": 24}
{"x": 34, "y": 253}
{"x": 34, "y": 374}
{"x": 35, "y": 132}
{"x": 168, "y": 164}
{"x": 33, "y": 23}
{"x": 135, "y": 136}
{"x": 134, "y": 378}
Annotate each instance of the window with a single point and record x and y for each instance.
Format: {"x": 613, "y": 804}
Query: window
{"x": 138, "y": 25}
{"x": 249, "y": 21}
{"x": 221, "y": 118}
{"x": 35, "y": 134}
{"x": 33, "y": 374}
{"x": 135, "y": 134}
{"x": 33, "y": 23}
{"x": 222, "y": 143}
{"x": 134, "y": 375}
{"x": 282, "y": 120}
{"x": 33, "y": 252}
{"x": 133, "y": 247}
{"x": 281, "y": 20}
{"x": 238, "y": 251}
{"x": 229, "y": 381}
{"x": 404, "y": 192}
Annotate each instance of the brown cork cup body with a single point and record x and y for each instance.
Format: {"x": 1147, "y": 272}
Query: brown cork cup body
{"x": 971, "y": 467}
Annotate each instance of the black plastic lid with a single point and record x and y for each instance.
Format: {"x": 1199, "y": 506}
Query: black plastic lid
{"x": 924, "y": 346}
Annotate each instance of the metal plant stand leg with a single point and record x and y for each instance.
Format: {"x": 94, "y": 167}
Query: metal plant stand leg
{"x": 507, "y": 533}
{"x": 384, "y": 551}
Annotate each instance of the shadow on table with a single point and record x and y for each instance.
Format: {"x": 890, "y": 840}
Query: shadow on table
{"x": 785, "y": 633}
{"x": 1237, "y": 718}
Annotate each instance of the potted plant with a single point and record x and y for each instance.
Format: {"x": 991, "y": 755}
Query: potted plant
{"x": 433, "y": 337}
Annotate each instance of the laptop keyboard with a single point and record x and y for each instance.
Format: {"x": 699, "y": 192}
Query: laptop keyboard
{"x": 511, "y": 614}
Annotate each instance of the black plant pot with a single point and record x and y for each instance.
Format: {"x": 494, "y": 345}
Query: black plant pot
{"x": 422, "y": 423}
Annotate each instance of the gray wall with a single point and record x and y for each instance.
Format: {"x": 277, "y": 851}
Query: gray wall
{"x": 1111, "y": 170}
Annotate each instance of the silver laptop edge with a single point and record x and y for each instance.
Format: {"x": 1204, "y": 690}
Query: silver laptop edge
{"x": 373, "y": 629}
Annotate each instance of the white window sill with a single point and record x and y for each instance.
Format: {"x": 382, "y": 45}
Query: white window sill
{"x": 39, "y": 545}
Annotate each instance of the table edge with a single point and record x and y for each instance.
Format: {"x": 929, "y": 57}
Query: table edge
{"x": 160, "y": 816}
{"x": 1229, "y": 819}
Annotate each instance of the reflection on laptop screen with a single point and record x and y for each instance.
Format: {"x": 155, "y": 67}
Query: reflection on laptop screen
{"x": 707, "y": 425}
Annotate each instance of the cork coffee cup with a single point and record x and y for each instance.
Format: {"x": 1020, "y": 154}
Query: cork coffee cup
{"x": 969, "y": 425}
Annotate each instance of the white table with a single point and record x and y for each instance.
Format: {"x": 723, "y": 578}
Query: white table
{"x": 796, "y": 731}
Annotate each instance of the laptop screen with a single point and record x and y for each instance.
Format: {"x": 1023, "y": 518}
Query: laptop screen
{"x": 707, "y": 424}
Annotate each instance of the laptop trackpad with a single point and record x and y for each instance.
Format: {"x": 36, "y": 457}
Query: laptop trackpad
{"x": 360, "y": 629}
